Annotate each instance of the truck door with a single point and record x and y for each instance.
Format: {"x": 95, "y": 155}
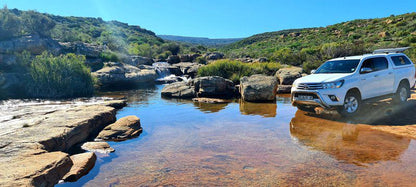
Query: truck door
{"x": 367, "y": 86}
{"x": 384, "y": 75}
{"x": 379, "y": 80}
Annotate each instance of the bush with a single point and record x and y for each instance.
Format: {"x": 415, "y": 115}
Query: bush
{"x": 109, "y": 56}
{"x": 234, "y": 70}
{"x": 60, "y": 77}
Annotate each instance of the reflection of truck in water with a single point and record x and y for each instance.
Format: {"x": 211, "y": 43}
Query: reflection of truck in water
{"x": 356, "y": 144}
{"x": 344, "y": 83}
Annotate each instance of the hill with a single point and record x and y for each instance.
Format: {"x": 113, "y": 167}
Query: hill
{"x": 200, "y": 40}
{"x": 311, "y": 46}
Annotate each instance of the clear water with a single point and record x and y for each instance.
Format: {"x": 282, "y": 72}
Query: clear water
{"x": 248, "y": 144}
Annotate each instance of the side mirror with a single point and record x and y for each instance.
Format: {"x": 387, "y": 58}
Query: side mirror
{"x": 313, "y": 71}
{"x": 366, "y": 70}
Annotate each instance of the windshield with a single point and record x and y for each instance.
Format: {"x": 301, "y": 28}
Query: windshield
{"x": 338, "y": 66}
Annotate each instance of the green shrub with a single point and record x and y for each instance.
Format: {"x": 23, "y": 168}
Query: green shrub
{"x": 60, "y": 77}
{"x": 234, "y": 70}
{"x": 109, "y": 56}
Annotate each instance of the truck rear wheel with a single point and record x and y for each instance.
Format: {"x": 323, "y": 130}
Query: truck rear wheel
{"x": 351, "y": 106}
{"x": 402, "y": 93}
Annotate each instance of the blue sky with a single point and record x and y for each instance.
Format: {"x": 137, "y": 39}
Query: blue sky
{"x": 220, "y": 18}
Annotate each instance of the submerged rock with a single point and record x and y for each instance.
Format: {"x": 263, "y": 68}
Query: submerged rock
{"x": 83, "y": 163}
{"x": 99, "y": 147}
{"x": 124, "y": 128}
{"x": 258, "y": 88}
{"x": 179, "y": 90}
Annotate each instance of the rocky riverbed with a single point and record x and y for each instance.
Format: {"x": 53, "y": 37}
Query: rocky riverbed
{"x": 36, "y": 136}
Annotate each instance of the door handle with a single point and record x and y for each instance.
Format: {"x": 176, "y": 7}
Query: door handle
{"x": 390, "y": 73}
{"x": 375, "y": 75}
{"x": 363, "y": 79}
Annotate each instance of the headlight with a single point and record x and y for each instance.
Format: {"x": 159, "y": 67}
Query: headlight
{"x": 336, "y": 84}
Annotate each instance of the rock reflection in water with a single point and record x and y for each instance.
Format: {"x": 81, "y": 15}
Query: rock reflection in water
{"x": 262, "y": 109}
{"x": 210, "y": 107}
{"x": 138, "y": 94}
{"x": 357, "y": 144}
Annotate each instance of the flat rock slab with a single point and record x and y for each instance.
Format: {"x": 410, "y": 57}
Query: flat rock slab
{"x": 122, "y": 129}
{"x": 35, "y": 134}
{"x": 45, "y": 169}
{"x": 99, "y": 147}
{"x": 83, "y": 163}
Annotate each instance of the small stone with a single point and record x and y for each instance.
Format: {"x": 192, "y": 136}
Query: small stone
{"x": 99, "y": 147}
{"x": 124, "y": 128}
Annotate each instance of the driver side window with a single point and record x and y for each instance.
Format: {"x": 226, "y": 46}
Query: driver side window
{"x": 376, "y": 64}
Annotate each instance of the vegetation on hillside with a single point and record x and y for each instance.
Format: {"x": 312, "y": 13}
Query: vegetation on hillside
{"x": 312, "y": 46}
{"x": 120, "y": 38}
{"x": 234, "y": 70}
{"x": 59, "y": 77}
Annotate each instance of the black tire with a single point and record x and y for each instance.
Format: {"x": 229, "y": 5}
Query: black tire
{"x": 402, "y": 93}
{"x": 352, "y": 104}
{"x": 308, "y": 109}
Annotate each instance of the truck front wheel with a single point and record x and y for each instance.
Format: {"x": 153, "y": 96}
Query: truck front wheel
{"x": 351, "y": 106}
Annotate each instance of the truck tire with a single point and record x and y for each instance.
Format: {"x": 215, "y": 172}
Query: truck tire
{"x": 402, "y": 93}
{"x": 351, "y": 106}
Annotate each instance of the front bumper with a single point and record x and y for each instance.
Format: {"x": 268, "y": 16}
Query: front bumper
{"x": 319, "y": 98}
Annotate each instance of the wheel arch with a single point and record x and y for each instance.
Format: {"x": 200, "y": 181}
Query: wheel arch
{"x": 354, "y": 90}
{"x": 403, "y": 81}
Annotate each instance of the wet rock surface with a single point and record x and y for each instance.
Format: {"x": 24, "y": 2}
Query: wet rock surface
{"x": 82, "y": 164}
{"x": 258, "y": 88}
{"x": 99, "y": 147}
{"x": 211, "y": 86}
{"x": 122, "y": 129}
{"x": 119, "y": 73}
{"x": 35, "y": 135}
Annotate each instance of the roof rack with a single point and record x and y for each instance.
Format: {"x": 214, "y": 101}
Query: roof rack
{"x": 391, "y": 50}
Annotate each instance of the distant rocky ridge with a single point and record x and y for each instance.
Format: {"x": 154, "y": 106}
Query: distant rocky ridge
{"x": 200, "y": 40}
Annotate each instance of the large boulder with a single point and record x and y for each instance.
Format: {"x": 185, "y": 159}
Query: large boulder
{"x": 188, "y": 68}
{"x": 31, "y": 43}
{"x": 287, "y": 76}
{"x": 258, "y": 88}
{"x": 118, "y": 73}
{"x": 83, "y": 163}
{"x": 188, "y": 57}
{"x": 80, "y": 48}
{"x": 122, "y": 129}
{"x": 139, "y": 60}
{"x": 213, "y": 86}
{"x": 173, "y": 59}
{"x": 214, "y": 56}
{"x": 179, "y": 90}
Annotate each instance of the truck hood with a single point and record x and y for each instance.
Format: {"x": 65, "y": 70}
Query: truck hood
{"x": 322, "y": 77}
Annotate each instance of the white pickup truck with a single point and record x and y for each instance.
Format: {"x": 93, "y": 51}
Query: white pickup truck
{"x": 344, "y": 83}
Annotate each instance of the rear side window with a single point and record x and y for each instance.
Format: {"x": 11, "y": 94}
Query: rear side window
{"x": 377, "y": 64}
{"x": 400, "y": 60}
